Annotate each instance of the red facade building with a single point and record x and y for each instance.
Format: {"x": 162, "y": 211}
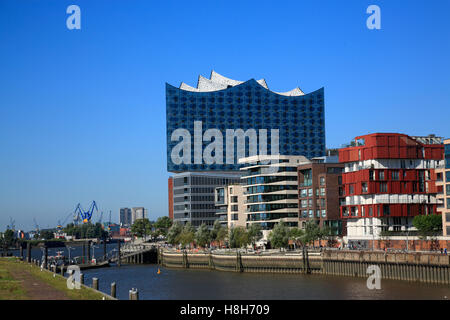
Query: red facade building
{"x": 388, "y": 179}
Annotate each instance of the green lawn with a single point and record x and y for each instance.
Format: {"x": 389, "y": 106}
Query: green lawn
{"x": 12, "y": 289}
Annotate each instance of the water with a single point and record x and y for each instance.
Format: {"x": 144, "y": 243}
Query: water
{"x": 209, "y": 285}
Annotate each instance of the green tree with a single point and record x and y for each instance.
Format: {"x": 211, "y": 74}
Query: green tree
{"x": 141, "y": 227}
{"x": 312, "y": 231}
{"x": 187, "y": 236}
{"x": 428, "y": 225}
{"x": 279, "y": 236}
{"x": 297, "y": 235}
{"x": 163, "y": 225}
{"x": 238, "y": 237}
{"x": 47, "y": 234}
{"x": 173, "y": 235}
{"x": 203, "y": 235}
{"x": 254, "y": 233}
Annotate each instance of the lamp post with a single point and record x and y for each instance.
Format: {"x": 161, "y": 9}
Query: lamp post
{"x": 68, "y": 249}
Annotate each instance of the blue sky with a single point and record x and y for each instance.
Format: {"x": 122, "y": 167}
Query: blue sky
{"x": 82, "y": 112}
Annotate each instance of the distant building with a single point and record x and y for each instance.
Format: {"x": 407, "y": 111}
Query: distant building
{"x": 292, "y": 121}
{"x": 443, "y": 183}
{"x": 388, "y": 179}
{"x": 319, "y": 193}
{"x": 138, "y": 213}
{"x": 193, "y": 196}
{"x": 125, "y": 217}
{"x": 229, "y": 201}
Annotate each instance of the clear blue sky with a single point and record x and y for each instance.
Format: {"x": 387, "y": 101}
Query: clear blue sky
{"x": 82, "y": 113}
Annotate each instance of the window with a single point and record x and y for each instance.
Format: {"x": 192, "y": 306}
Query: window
{"x": 234, "y": 199}
{"x": 324, "y": 213}
{"x": 447, "y": 176}
{"x": 447, "y": 189}
{"x": 345, "y": 211}
{"x": 234, "y": 216}
{"x": 354, "y": 211}
{"x": 322, "y": 191}
{"x": 310, "y": 192}
{"x": 386, "y": 209}
{"x": 317, "y": 213}
{"x": 381, "y": 175}
{"x": 303, "y": 193}
{"x": 322, "y": 203}
{"x": 448, "y": 203}
{"x": 322, "y": 181}
{"x": 383, "y": 186}
{"x": 304, "y": 203}
{"x": 304, "y": 214}
{"x": 311, "y": 214}
{"x": 317, "y": 192}
{"x": 234, "y": 207}
{"x": 364, "y": 187}
{"x": 371, "y": 175}
{"x": 394, "y": 175}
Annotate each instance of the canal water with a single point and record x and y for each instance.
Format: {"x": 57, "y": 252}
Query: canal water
{"x": 210, "y": 285}
{"x": 191, "y": 284}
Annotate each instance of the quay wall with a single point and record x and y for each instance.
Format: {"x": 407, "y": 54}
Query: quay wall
{"x": 415, "y": 266}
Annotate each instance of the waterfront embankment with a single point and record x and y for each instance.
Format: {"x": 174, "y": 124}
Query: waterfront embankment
{"x": 415, "y": 266}
{"x": 20, "y": 280}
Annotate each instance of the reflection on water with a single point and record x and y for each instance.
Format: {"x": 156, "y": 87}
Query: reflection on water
{"x": 207, "y": 285}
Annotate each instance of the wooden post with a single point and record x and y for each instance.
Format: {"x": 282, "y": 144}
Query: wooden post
{"x": 28, "y": 252}
{"x": 62, "y": 270}
{"x": 113, "y": 289}
{"x": 95, "y": 283}
{"x": 89, "y": 252}
{"x": 83, "y": 253}
{"x": 45, "y": 256}
{"x": 118, "y": 250}
{"x": 104, "y": 249}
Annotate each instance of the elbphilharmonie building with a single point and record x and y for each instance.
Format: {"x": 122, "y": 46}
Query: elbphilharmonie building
{"x": 288, "y": 123}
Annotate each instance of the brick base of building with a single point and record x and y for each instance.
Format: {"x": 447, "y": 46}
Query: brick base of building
{"x": 413, "y": 245}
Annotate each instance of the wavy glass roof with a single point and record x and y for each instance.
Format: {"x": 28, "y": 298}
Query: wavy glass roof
{"x": 218, "y": 82}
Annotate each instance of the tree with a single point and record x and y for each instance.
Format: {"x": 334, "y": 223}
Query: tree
{"x": 141, "y": 227}
{"x": 254, "y": 233}
{"x": 219, "y": 232}
{"x": 312, "y": 231}
{"x": 187, "y": 235}
{"x": 46, "y": 234}
{"x": 279, "y": 236}
{"x": 163, "y": 225}
{"x": 428, "y": 225}
{"x": 7, "y": 239}
{"x": 173, "y": 235}
{"x": 297, "y": 235}
{"x": 203, "y": 235}
{"x": 238, "y": 237}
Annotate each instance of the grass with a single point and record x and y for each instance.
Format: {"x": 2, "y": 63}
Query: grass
{"x": 14, "y": 290}
{"x": 9, "y": 288}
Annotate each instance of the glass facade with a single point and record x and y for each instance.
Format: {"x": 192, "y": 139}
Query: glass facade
{"x": 299, "y": 119}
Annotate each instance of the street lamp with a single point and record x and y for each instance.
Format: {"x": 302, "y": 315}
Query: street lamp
{"x": 68, "y": 249}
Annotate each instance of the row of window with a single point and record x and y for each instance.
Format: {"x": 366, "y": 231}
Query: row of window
{"x": 310, "y": 213}
{"x": 308, "y": 192}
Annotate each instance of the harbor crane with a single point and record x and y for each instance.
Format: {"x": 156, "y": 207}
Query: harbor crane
{"x": 101, "y": 217}
{"x": 12, "y": 225}
{"x": 83, "y": 215}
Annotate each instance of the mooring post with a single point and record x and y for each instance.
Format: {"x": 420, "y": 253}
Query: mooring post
{"x": 104, "y": 249}
{"x": 62, "y": 270}
{"x": 89, "y": 252}
{"x": 83, "y": 254}
{"x": 95, "y": 283}
{"x": 113, "y": 289}
{"x": 28, "y": 252}
{"x": 21, "y": 251}
{"x": 118, "y": 252}
{"x": 81, "y": 278}
{"x": 45, "y": 256}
